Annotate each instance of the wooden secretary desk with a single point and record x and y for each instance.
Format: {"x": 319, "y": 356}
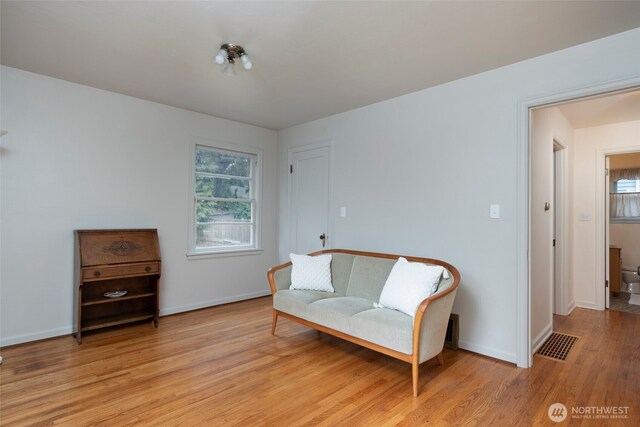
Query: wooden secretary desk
{"x": 116, "y": 275}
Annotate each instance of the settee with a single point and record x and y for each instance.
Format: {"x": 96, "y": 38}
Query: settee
{"x": 351, "y": 312}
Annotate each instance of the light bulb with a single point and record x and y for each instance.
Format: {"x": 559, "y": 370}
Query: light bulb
{"x": 229, "y": 70}
{"x": 221, "y": 56}
{"x": 246, "y": 62}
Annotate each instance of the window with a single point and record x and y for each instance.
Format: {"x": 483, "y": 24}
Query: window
{"x": 628, "y": 186}
{"x": 225, "y": 200}
{"x": 624, "y": 202}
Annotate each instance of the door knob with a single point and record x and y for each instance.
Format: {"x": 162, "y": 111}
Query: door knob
{"x": 323, "y": 237}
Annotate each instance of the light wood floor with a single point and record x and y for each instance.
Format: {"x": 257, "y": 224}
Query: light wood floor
{"x": 221, "y": 366}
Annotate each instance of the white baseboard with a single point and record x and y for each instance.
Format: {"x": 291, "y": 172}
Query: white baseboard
{"x": 572, "y": 305}
{"x": 67, "y": 330}
{"x": 586, "y": 304}
{"x": 50, "y": 333}
{"x": 211, "y": 303}
{"x": 487, "y": 351}
{"x": 541, "y": 338}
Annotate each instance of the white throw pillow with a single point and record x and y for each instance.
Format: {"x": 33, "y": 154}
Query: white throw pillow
{"x": 408, "y": 284}
{"x": 311, "y": 273}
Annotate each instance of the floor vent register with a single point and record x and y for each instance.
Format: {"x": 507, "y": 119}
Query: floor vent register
{"x": 558, "y": 346}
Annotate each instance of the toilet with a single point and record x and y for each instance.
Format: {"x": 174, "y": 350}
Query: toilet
{"x": 631, "y": 284}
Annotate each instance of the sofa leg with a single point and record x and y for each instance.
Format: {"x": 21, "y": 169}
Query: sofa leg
{"x": 414, "y": 370}
{"x": 274, "y": 322}
{"x": 440, "y": 358}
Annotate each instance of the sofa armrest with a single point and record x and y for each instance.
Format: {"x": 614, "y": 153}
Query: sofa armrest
{"x": 433, "y": 327}
{"x": 279, "y": 277}
{"x": 431, "y": 320}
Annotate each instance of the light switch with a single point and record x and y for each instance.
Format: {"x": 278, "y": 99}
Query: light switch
{"x": 585, "y": 216}
{"x": 343, "y": 212}
{"x": 494, "y": 211}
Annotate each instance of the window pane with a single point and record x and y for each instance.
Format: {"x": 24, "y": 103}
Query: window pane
{"x": 227, "y": 188}
{"x": 627, "y": 186}
{"x": 219, "y": 235}
{"x": 208, "y": 212}
{"x": 222, "y": 163}
{"x": 213, "y": 228}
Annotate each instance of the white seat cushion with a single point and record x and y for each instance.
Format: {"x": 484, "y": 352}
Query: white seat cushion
{"x": 296, "y": 302}
{"x": 336, "y": 313}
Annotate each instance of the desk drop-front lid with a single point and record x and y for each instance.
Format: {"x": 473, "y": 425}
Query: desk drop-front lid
{"x": 102, "y": 247}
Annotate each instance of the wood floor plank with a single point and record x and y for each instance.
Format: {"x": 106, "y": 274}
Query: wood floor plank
{"x": 221, "y": 366}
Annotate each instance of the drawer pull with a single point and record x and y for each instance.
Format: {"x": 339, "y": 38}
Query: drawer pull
{"x": 96, "y": 273}
{"x": 147, "y": 269}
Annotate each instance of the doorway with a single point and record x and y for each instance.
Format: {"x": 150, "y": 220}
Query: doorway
{"x": 309, "y": 183}
{"x": 583, "y": 218}
{"x": 622, "y": 231}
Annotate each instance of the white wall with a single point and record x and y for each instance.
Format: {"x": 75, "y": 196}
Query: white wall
{"x": 627, "y": 237}
{"x": 589, "y": 142}
{"x": 417, "y": 175}
{"x": 548, "y": 124}
{"x": 77, "y": 157}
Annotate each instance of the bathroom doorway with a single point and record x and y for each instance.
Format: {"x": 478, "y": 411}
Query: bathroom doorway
{"x": 622, "y": 231}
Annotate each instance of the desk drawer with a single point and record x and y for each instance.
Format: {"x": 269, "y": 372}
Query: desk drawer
{"x": 99, "y": 273}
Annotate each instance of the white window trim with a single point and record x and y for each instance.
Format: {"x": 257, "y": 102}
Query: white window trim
{"x": 256, "y": 248}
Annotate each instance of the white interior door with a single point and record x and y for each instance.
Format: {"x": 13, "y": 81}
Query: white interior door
{"x": 560, "y": 232}
{"x": 607, "y": 277}
{"x": 556, "y": 261}
{"x": 309, "y": 199}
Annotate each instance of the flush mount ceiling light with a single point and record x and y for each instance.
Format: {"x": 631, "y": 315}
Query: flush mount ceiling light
{"x": 227, "y": 56}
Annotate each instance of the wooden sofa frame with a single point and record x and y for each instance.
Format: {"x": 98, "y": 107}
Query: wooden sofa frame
{"x": 414, "y": 358}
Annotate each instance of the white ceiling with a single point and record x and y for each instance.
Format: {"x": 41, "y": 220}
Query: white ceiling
{"x": 311, "y": 58}
{"x": 604, "y": 110}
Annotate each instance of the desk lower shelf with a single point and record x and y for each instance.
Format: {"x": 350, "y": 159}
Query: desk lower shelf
{"x": 120, "y": 319}
{"x": 128, "y": 296}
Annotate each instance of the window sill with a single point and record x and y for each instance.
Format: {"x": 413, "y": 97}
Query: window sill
{"x": 633, "y": 220}
{"x": 224, "y": 253}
